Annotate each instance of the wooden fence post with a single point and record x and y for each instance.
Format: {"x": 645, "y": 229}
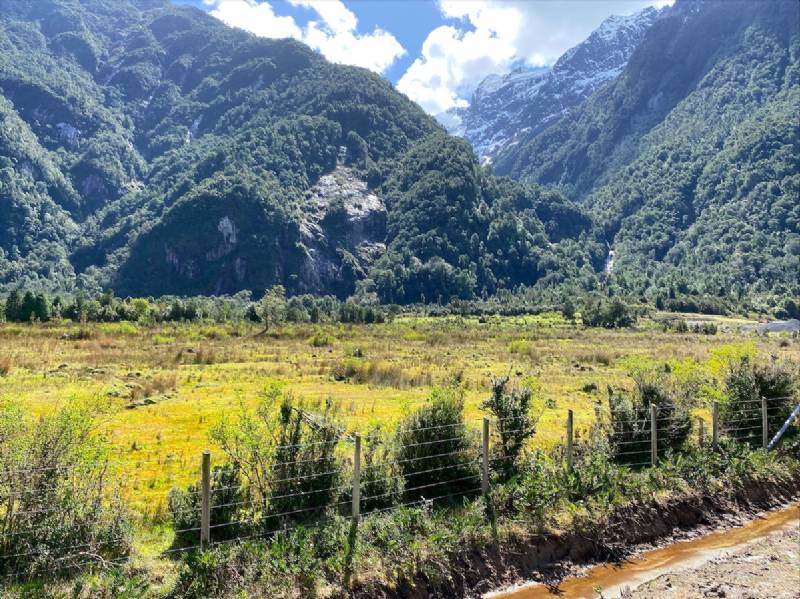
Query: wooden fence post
{"x": 205, "y": 510}
{"x": 569, "y": 438}
{"x": 714, "y": 425}
{"x": 653, "y": 435}
{"x": 764, "y": 423}
{"x": 356, "y": 510}
{"x": 485, "y": 457}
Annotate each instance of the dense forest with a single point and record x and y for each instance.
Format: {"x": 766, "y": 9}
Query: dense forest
{"x": 690, "y": 161}
{"x": 149, "y": 148}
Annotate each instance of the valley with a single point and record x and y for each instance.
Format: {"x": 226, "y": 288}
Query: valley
{"x": 274, "y": 325}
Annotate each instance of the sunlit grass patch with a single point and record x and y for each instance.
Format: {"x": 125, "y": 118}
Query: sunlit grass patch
{"x": 197, "y": 373}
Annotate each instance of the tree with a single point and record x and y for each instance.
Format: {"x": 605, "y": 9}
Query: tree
{"x": 272, "y": 308}
{"x": 141, "y": 309}
{"x": 41, "y": 308}
{"x": 568, "y": 309}
{"x": 28, "y": 310}
{"x": 13, "y": 306}
{"x": 434, "y": 450}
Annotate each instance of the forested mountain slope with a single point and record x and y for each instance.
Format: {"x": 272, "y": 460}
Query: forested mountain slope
{"x": 150, "y": 148}
{"x": 690, "y": 158}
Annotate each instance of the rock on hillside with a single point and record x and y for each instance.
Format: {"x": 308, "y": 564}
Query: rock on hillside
{"x": 342, "y": 232}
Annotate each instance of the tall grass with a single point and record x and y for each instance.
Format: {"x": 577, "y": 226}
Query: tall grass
{"x": 379, "y": 372}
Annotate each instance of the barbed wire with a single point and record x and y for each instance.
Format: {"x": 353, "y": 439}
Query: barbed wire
{"x": 255, "y": 509}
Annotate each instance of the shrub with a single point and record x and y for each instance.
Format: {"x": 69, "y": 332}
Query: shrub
{"x": 746, "y": 383}
{"x": 346, "y": 370}
{"x": 608, "y": 314}
{"x": 519, "y": 346}
{"x": 227, "y": 498}
{"x": 286, "y": 454}
{"x": 59, "y": 510}
{"x": 381, "y": 482}
{"x": 681, "y": 326}
{"x": 305, "y": 472}
{"x": 434, "y": 451}
{"x": 630, "y": 434}
{"x": 320, "y": 339}
{"x": 513, "y": 424}
{"x": 5, "y": 365}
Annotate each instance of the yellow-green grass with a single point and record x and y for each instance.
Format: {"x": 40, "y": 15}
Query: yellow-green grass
{"x": 199, "y": 374}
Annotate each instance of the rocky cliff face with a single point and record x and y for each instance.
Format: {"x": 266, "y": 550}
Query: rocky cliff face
{"x": 342, "y": 232}
{"x": 528, "y": 99}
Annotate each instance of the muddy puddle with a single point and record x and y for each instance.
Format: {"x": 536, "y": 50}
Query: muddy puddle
{"x": 613, "y": 578}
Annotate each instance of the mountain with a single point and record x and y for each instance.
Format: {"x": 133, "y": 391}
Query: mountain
{"x": 150, "y": 148}
{"x": 525, "y": 101}
{"x": 690, "y": 158}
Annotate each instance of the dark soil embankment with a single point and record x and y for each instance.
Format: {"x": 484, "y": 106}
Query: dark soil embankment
{"x": 549, "y": 558}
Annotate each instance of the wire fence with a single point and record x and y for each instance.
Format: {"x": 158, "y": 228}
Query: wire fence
{"x": 457, "y": 466}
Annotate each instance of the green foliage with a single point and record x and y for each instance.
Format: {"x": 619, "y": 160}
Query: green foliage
{"x": 305, "y": 471}
{"x": 272, "y": 307}
{"x": 406, "y": 544}
{"x": 60, "y": 512}
{"x": 455, "y": 232}
{"x": 513, "y": 424}
{"x": 746, "y": 384}
{"x": 381, "y": 480}
{"x": 689, "y": 160}
{"x": 630, "y": 421}
{"x": 436, "y": 456}
{"x": 610, "y": 314}
{"x": 150, "y": 148}
{"x": 286, "y": 455}
{"x": 227, "y": 498}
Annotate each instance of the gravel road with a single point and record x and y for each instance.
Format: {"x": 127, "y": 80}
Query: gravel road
{"x": 766, "y": 569}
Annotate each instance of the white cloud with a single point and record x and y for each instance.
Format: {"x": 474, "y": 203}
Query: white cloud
{"x": 333, "y": 34}
{"x": 493, "y": 35}
{"x": 256, "y": 18}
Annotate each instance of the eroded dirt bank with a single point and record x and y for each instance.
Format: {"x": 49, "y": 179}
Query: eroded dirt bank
{"x": 613, "y": 579}
{"x": 551, "y": 558}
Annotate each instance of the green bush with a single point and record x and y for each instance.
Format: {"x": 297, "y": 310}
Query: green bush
{"x": 305, "y": 473}
{"x": 381, "y": 482}
{"x": 630, "y": 434}
{"x": 227, "y": 499}
{"x": 59, "y": 512}
{"x": 607, "y": 314}
{"x": 513, "y": 424}
{"x": 746, "y": 383}
{"x": 435, "y": 454}
{"x": 286, "y": 453}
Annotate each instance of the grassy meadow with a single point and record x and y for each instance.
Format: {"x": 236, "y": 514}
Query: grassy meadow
{"x": 166, "y": 385}
{"x": 162, "y": 388}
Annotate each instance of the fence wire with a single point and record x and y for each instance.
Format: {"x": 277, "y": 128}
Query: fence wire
{"x": 430, "y": 473}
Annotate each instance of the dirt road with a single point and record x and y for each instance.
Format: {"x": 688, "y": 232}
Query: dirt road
{"x": 766, "y": 569}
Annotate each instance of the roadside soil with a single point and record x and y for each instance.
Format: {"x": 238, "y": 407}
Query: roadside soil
{"x": 550, "y": 559}
{"x": 769, "y": 567}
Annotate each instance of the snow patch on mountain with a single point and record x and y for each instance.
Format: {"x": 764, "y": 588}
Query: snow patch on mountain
{"x": 530, "y": 98}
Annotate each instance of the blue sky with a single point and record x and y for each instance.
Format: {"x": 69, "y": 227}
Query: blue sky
{"x": 434, "y": 51}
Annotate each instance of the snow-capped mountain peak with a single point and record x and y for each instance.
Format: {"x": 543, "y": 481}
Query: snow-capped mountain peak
{"x": 529, "y": 98}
